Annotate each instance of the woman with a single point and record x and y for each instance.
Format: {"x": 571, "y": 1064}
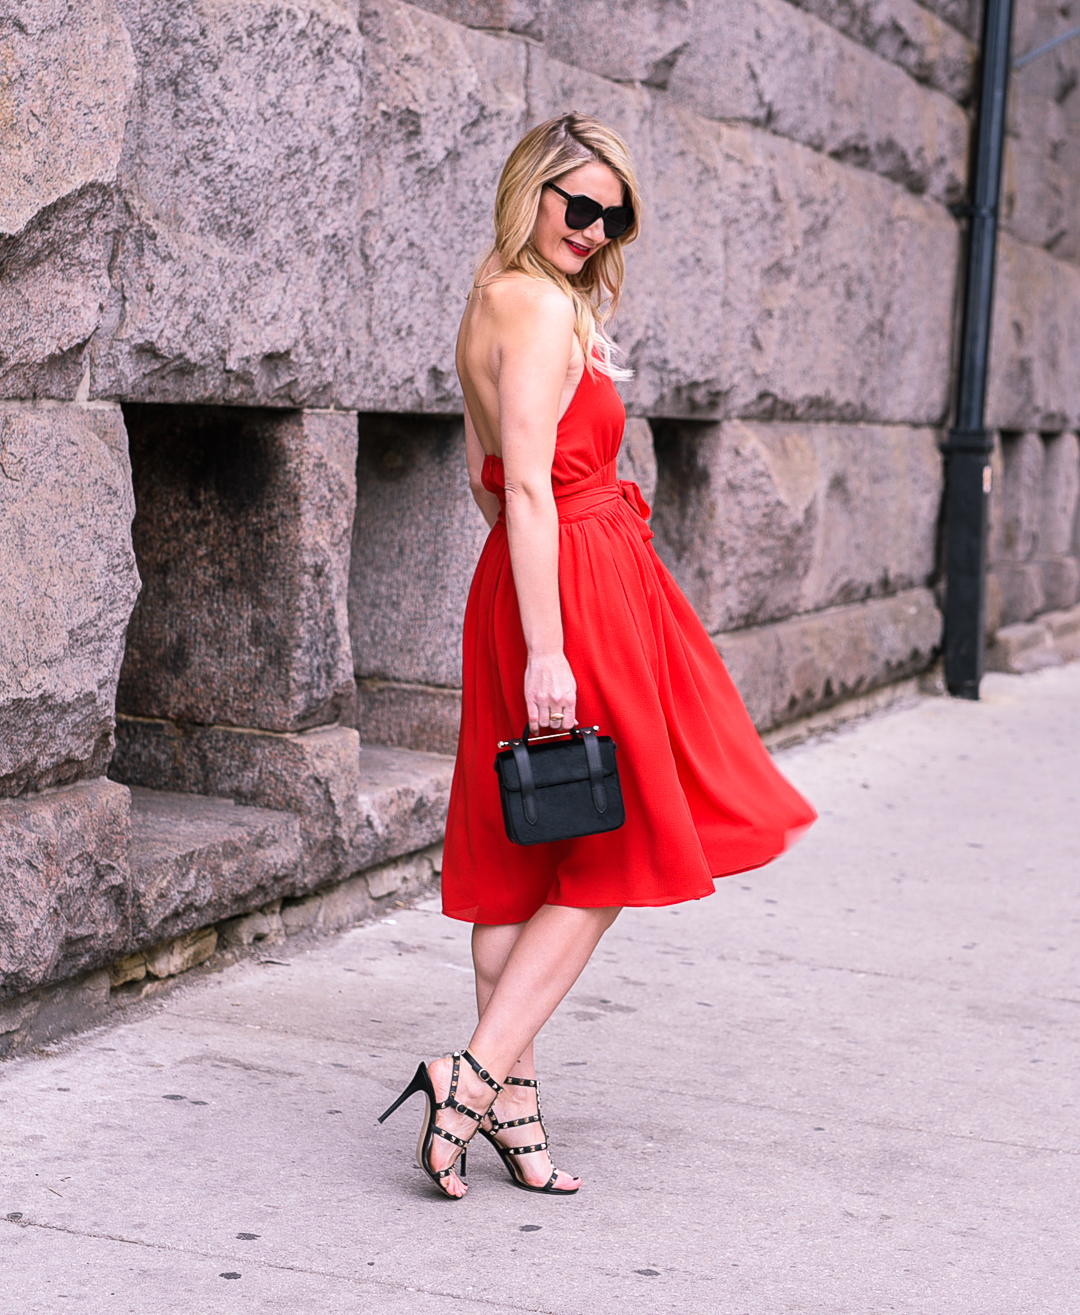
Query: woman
{"x": 571, "y": 609}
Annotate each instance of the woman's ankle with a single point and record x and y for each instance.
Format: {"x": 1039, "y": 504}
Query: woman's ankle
{"x": 514, "y": 1095}
{"x": 490, "y": 1066}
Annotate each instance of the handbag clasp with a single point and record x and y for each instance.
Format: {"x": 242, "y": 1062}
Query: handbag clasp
{"x": 539, "y": 739}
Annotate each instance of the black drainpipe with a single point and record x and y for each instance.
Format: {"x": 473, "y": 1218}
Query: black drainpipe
{"x": 969, "y": 444}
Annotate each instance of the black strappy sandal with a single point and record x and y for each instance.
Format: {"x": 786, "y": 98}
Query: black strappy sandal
{"x": 507, "y": 1153}
{"x": 422, "y": 1082}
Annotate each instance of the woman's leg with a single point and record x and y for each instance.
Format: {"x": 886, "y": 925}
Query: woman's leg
{"x": 491, "y": 948}
{"x": 543, "y": 961}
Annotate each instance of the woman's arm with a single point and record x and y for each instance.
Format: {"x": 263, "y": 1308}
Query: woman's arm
{"x": 474, "y": 458}
{"x": 535, "y": 335}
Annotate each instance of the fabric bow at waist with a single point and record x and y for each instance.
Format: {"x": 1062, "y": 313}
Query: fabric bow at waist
{"x": 576, "y": 503}
{"x": 594, "y": 494}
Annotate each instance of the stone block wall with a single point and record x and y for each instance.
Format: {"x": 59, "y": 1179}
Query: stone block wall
{"x": 1034, "y": 397}
{"x": 1042, "y": 178}
{"x": 1034, "y": 394}
{"x": 762, "y": 521}
{"x": 70, "y": 582}
{"x": 1035, "y": 528}
{"x": 234, "y": 245}
{"x": 217, "y": 699}
{"x": 278, "y": 206}
{"x": 298, "y": 193}
{"x": 808, "y": 550}
{"x": 64, "y": 882}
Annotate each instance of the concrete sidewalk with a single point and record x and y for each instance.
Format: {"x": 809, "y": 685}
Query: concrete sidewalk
{"x": 845, "y": 1084}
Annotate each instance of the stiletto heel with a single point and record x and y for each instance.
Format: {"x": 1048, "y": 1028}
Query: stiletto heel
{"x": 421, "y": 1082}
{"x": 507, "y": 1153}
{"x": 417, "y": 1084}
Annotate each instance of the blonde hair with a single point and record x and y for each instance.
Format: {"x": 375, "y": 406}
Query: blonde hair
{"x": 543, "y": 156}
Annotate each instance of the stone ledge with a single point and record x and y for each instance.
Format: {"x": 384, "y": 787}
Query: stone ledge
{"x": 97, "y": 873}
{"x": 403, "y": 800}
{"x": 902, "y": 693}
{"x": 357, "y": 806}
{"x": 42, "y": 1017}
{"x": 196, "y": 859}
{"x": 1048, "y": 641}
{"x": 793, "y": 668}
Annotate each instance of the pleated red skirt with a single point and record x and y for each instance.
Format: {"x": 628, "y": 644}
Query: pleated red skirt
{"x": 703, "y": 798}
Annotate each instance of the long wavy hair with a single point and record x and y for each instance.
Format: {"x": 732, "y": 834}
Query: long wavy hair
{"x": 543, "y": 156}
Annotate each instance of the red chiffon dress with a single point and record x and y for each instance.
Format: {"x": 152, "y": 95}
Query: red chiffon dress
{"x": 702, "y": 796}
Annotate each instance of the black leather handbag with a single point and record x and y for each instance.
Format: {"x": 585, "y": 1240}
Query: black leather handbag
{"x": 556, "y": 787}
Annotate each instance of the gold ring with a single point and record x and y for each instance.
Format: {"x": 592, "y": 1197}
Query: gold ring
{"x": 555, "y": 716}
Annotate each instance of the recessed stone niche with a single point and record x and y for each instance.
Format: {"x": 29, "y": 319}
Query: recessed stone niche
{"x": 241, "y": 532}
{"x": 416, "y": 539}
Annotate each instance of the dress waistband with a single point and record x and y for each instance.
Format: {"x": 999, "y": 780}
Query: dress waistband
{"x": 592, "y": 495}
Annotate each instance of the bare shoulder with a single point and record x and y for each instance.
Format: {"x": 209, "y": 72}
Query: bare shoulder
{"x": 519, "y": 303}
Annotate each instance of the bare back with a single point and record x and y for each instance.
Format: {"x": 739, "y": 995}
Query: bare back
{"x": 482, "y": 340}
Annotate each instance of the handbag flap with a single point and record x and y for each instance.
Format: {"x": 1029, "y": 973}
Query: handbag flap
{"x": 556, "y": 764}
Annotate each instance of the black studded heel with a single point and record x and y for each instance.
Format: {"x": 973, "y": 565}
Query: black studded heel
{"x": 507, "y": 1153}
{"x": 422, "y": 1083}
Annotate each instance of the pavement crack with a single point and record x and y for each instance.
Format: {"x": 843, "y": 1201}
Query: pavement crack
{"x": 363, "y": 1280}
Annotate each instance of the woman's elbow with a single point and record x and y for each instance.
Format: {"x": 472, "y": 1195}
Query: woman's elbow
{"x": 527, "y": 496}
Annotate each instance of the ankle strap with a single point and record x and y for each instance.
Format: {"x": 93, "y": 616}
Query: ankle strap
{"x": 480, "y": 1072}
{"x": 522, "y": 1082}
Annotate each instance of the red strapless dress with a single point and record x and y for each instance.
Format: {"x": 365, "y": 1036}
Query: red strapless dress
{"x": 703, "y": 798}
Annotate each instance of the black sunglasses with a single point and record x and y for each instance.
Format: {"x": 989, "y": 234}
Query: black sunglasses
{"x": 583, "y": 212}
